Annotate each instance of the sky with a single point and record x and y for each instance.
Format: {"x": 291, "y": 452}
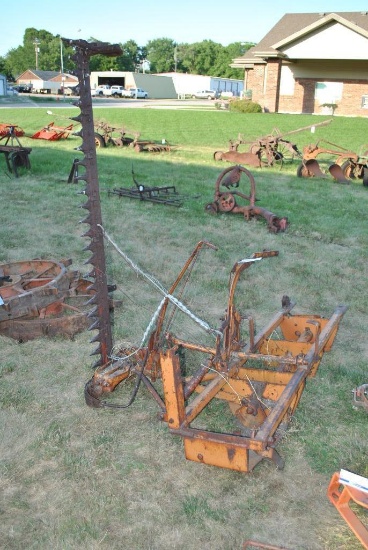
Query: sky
{"x": 189, "y": 21}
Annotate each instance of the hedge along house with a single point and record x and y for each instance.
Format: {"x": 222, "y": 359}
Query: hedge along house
{"x": 309, "y": 61}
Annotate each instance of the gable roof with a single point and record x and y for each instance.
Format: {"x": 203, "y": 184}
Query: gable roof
{"x": 46, "y": 75}
{"x": 293, "y": 26}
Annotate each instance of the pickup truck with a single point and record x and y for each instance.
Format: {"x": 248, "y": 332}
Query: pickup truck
{"x": 138, "y": 93}
{"x": 103, "y": 89}
{"x": 119, "y": 91}
{"x": 107, "y": 91}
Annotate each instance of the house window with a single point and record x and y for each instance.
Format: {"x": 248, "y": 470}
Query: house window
{"x": 328, "y": 92}
{"x": 364, "y": 101}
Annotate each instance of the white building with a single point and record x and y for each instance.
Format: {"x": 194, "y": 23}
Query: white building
{"x": 187, "y": 84}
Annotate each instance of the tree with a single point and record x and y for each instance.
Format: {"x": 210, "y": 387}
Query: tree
{"x": 48, "y": 57}
{"x": 160, "y": 54}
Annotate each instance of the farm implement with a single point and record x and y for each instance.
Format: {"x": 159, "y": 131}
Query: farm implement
{"x": 226, "y": 195}
{"x": 15, "y": 154}
{"x": 53, "y": 133}
{"x": 258, "y": 376}
{"x": 166, "y": 194}
{"x": 108, "y": 135}
{"x": 348, "y": 165}
{"x": 43, "y": 298}
{"x": 269, "y": 150}
{"x": 260, "y": 381}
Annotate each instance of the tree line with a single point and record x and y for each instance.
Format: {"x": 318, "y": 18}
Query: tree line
{"x": 43, "y": 51}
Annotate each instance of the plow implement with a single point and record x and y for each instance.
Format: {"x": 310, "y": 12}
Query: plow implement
{"x": 348, "y": 165}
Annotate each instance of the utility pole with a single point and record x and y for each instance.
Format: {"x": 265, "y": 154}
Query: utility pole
{"x": 36, "y": 44}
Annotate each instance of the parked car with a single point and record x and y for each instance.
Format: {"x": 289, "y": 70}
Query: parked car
{"x": 205, "y": 94}
{"x": 138, "y": 93}
{"x": 24, "y": 88}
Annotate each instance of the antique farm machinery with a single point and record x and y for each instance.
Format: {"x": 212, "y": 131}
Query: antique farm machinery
{"x": 43, "y": 298}
{"x": 259, "y": 376}
{"x": 348, "y": 165}
{"x": 226, "y": 195}
{"x": 272, "y": 149}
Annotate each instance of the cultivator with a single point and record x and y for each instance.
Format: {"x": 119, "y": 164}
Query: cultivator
{"x": 261, "y": 381}
{"x": 226, "y": 195}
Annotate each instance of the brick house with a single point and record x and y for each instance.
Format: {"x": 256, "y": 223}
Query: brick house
{"x": 308, "y": 60}
{"x": 51, "y": 81}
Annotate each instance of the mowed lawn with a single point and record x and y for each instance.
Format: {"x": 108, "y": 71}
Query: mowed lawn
{"x": 73, "y": 477}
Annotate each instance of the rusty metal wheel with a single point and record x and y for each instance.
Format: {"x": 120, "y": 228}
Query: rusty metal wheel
{"x": 226, "y": 202}
{"x": 99, "y": 140}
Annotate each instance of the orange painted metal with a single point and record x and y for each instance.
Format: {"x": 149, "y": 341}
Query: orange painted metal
{"x": 343, "y": 497}
{"x": 261, "y": 382}
{"x": 53, "y": 133}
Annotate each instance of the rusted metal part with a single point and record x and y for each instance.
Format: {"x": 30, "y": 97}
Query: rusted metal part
{"x": 100, "y": 315}
{"x": 249, "y": 159}
{"x": 256, "y": 544}
{"x": 105, "y": 135}
{"x": 360, "y": 396}
{"x": 269, "y": 150}
{"x": 65, "y": 317}
{"x": 151, "y": 146}
{"x": 348, "y": 165}
{"x": 160, "y": 195}
{"x": 225, "y": 199}
{"x": 337, "y": 173}
{"x": 16, "y": 157}
{"x": 53, "y": 133}
{"x": 28, "y": 286}
{"x": 15, "y": 154}
{"x": 346, "y": 499}
{"x": 262, "y": 397}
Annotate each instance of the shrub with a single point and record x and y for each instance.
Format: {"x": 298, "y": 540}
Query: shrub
{"x": 245, "y": 106}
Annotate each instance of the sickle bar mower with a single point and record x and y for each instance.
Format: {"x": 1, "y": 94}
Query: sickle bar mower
{"x": 260, "y": 380}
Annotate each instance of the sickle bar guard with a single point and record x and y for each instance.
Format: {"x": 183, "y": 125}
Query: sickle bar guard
{"x": 100, "y": 315}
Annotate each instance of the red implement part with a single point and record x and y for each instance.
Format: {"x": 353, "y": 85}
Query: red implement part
{"x": 53, "y": 133}
{"x": 10, "y": 129}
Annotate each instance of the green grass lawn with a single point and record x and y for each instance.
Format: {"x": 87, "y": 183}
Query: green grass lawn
{"x": 75, "y": 477}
